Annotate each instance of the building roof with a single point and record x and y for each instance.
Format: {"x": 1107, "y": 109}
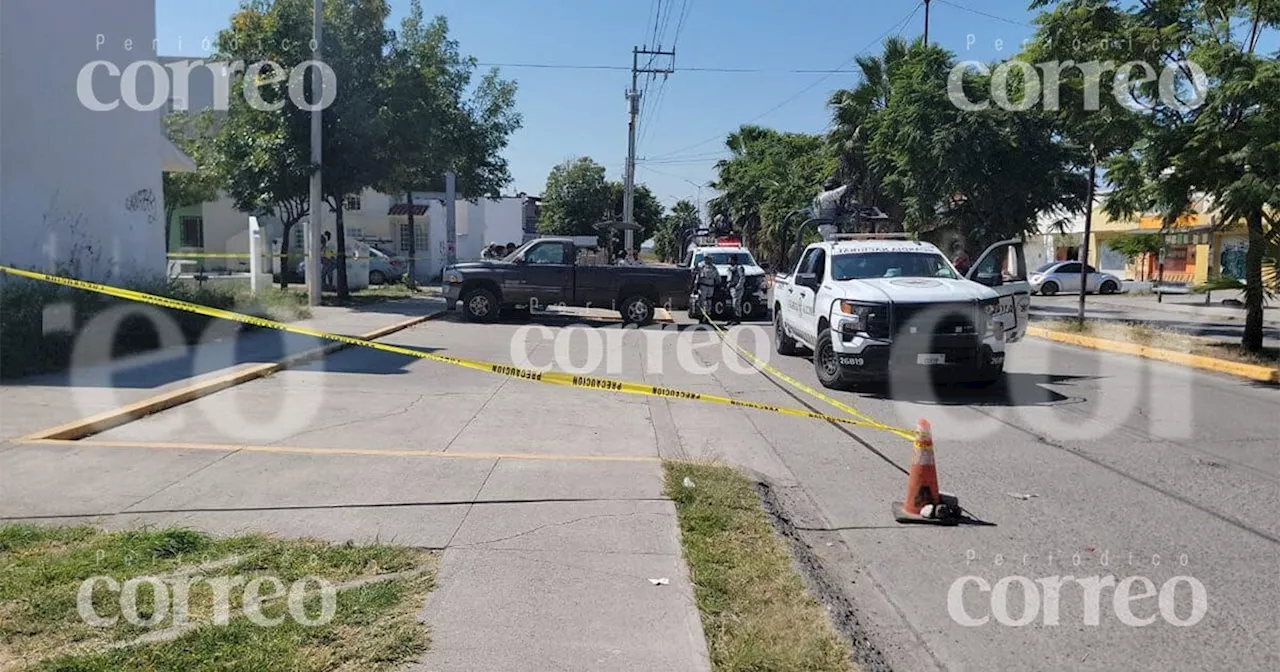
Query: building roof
{"x": 402, "y": 209}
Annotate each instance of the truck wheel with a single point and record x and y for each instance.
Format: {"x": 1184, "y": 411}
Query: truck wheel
{"x": 480, "y": 305}
{"x": 826, "y": 363}
{"x": 782, "y": 344}
{"x": 637, "y": 310}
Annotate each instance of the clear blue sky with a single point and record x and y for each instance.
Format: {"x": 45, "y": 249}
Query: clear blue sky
{"x": 582, "y": 112}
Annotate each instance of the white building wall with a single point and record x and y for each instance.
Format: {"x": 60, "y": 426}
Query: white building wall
{"x": 80, "y": 190}
{"x": 478, "y": 224}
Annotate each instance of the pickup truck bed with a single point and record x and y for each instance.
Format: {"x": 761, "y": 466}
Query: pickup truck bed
{"x": 546, "y": 272}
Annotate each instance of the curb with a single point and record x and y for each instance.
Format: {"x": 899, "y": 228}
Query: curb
{"x": 94, "y": 424}
{"x": 1250, "y": 371}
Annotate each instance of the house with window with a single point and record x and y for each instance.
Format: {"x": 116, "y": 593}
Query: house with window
{"x": 371, "y": 217}
{"x": 377, "y": 219}
{"x": 80, "y": 188}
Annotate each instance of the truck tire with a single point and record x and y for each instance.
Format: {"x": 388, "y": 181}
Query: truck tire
{"x": 480, "y": 305}
{"x": 782, "y": 343}
{"x": 637, "y": 310}
{"x": 827, "y": 365}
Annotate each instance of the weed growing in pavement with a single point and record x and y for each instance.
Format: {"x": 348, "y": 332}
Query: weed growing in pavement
{"x": 756, "y": 612}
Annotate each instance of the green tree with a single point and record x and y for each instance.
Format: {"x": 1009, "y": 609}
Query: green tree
{"x": 855, "y": 113}
{"x": 355, "y": 46}
{"x": 576, "y": 198}
{"x": 432, "y": 125}
{"x": 193, "y": 134}
{"x": 1225, "y": 151}
{"x": 669, "y": 241}
{"x": 768, "y": 175}
{"x": 263, "y": 157}
{"x": 647, "y": 211}
{"x": 984, "y": 173}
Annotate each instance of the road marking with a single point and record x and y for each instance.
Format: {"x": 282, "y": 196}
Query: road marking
{"x": 296, "y": 450}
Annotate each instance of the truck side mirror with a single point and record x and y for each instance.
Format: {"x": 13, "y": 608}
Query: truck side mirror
{"x": 809, "y": 280}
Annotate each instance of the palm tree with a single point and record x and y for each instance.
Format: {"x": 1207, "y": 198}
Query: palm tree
{"x": 854, "y": 113}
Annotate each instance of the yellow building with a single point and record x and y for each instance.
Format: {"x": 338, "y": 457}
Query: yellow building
{"x": 1197, "y": 249}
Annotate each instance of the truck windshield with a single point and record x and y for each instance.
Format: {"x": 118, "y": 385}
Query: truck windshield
{"x": 722, "y": 258}
{"x": 866, "y": 265}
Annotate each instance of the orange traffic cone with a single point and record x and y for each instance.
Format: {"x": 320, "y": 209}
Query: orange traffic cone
{"x": 924, "y": 503}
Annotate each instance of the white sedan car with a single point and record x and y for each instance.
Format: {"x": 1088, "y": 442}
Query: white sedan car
{"x": 1064, "y": 276}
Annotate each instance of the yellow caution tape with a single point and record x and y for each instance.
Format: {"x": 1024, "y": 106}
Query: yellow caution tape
{"x": 764, "y": 367}
{"x": 549, "y": 377}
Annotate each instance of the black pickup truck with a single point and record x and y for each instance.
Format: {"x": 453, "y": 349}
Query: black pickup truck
{"x": 546, "y": 272}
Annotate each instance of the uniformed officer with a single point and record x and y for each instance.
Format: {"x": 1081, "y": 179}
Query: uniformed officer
{"x": 708, "y": 278}
{"x": 737, "y": 287}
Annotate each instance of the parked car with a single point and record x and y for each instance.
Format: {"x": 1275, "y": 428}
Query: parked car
{"x": 1064, "y": 276}
{"x": 547, "y": 272}
{"x": 385, "y": 267}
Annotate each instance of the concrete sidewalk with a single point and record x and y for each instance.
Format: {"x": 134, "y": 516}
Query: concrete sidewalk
{"x": 546, "y": 503}
{"x": 30, "y": 404}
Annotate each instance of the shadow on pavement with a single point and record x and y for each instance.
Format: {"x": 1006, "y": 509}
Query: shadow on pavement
{"x": 1018, "y": 389}
{"x": 367, "y": 360}
{"x": 245, "y": 346}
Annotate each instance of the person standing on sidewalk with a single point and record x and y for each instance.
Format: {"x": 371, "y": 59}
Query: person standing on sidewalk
{"x": 737, "y": 287}
{"x": 328, "y": 261}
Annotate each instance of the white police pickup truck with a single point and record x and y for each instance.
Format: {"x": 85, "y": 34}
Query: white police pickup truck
{"x": 872, "y": 307}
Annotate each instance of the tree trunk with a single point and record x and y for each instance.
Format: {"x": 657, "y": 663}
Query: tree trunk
{"x": 341, "y": 234}
{"x": 1253, "y": 291}
{"x": 287, "y": 228}
{"x": 413, "y": 243}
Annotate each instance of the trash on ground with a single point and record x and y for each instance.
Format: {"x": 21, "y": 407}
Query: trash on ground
{"x": 1021, "y": 495}
{"x": 660, "y": 582}
{"x": 688, "y": 482}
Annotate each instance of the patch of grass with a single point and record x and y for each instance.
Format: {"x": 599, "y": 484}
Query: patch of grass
{"x": 373, "y": 627}
{"x": 1152, "y": 335}
{"x": 26, "y": 349}
{"x": 755, "y": 610}
{"x": 373, "y": 294}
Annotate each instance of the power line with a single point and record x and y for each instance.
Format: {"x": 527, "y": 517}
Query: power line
{"x": 989, "y": 16}
{"x": 713, "y": 70}
{"x": 801, "y": 92}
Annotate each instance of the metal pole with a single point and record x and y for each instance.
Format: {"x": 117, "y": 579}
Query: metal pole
{"x": 317, "y": 196}
{"x": 451, "y": 218}
{"x": 629, "y": 195}
{"x": 926, "y": 23}
{"x": 1088, "y": 227}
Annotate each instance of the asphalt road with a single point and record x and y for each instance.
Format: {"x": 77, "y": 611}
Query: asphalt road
{"x": 1092, "y": 465}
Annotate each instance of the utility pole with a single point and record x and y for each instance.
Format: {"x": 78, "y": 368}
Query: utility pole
{"x": 926, "y": 23}
{"x": 317, "y": 197}
{"x": 1088, "y": 230}
{"x": 633, "y": 104}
